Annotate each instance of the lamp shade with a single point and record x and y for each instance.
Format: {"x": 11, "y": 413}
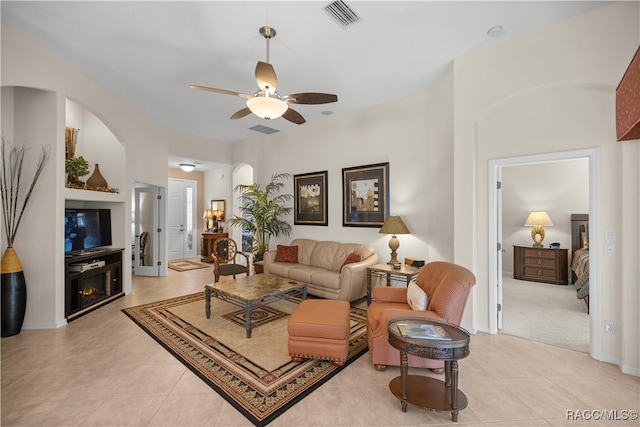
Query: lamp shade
{"x": 267, "y": 107}
{"x": 538, "y": 218}
{"x": 394, "y": 225}
{"x": 208, "y": 214}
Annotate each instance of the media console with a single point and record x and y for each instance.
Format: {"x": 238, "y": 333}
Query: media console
{"x": 92, "y": 279}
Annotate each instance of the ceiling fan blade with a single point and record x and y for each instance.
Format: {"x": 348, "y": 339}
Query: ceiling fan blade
{"x": 241, "y": 113}
{"x": 222, "y": 91}
{"x": 266, "y": 76}
{"x": 293, "y": 116}
{"x": 311, "y": 98}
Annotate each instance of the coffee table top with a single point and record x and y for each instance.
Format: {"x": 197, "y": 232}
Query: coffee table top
{"x": 256, "y": 286}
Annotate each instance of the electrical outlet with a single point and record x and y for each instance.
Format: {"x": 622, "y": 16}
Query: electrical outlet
{"x": 610, "y": 249}
{"x": 610, "y": 327}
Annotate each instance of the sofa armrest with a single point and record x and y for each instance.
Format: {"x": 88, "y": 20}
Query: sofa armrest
{"x": 268, "y": 258}
{"x": 389, "y": 294}
{"x": 392, "y": 314}
{"x": 353, "y": 278}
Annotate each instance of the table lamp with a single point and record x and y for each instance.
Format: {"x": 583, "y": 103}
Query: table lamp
{"x": 394, "y": 225}
{"x": 208, "y": 215}
{"x": 538, "y": 220}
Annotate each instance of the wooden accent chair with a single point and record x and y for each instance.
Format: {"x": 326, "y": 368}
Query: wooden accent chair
{"x": 225, "y": 259}
{"x": 447, "y": 287}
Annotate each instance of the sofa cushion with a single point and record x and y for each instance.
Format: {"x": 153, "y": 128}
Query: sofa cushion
{"x": 286, "y": 254}
{"x": 305, "y": 248}
{"x": 416, "y": 297}
{"x": 351, "y": 258}
{"x": 303, "y": 273}
{"x": 282, "y": 269}
{"x": 324, "y": 254}
{"x": 326, "y": 278}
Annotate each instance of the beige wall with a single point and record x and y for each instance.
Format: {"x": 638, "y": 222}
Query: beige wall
{"x": 413, "y": 134}
{"x": 541, "y": 93}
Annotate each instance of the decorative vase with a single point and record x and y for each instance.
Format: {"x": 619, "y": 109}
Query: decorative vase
{"x": 96, "y": 179}
{"x": 14, "y": 293}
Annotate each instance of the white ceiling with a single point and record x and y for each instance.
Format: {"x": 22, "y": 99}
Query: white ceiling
{"x": 150, "y": 52}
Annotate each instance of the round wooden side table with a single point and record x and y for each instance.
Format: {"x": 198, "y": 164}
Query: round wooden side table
{"x": 426, "y": 392}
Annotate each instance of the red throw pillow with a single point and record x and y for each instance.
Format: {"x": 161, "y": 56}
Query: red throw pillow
{"x": 287, "y": 254}
{"x": 351, "y": 258}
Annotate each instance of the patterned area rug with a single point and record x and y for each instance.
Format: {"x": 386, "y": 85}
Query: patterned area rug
{"x": 256, "y": 375}
{"x": 260, "y": 316}
{"x": 186, "y": 265}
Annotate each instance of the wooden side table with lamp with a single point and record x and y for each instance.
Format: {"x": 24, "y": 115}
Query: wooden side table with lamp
{"x": 537, "y": 263}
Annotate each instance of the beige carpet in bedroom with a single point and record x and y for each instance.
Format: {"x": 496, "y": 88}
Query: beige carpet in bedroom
{"x": 546, "y": 313}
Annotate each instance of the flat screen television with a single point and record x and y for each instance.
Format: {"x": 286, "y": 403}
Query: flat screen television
{"x": 86, "y": 229}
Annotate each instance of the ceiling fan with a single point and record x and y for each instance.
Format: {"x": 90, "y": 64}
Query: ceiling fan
{"x": 266, "y": 102}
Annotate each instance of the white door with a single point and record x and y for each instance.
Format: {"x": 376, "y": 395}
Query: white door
{"x": 146, "y": 253}
{"x": 181, "y": 220}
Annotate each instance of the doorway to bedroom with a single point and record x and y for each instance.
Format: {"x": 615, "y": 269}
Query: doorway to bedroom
{"x": 560, "y": 184}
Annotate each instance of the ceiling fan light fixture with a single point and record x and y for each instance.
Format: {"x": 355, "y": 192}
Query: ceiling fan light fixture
{"x": 267, "y": 107}
{"x": 187, "y": 167}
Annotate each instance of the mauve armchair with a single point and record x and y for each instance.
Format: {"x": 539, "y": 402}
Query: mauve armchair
{"x": 447, "y": 287}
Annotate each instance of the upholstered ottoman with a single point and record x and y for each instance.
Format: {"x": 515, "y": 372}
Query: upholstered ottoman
{"x": 319, "y": 329}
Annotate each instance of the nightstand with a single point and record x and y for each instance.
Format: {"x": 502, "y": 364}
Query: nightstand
{"x": 541, "y": 265}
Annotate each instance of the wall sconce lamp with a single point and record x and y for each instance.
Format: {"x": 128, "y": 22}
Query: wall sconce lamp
{"x": 187, "y": 167}
{"x": 209, "y": 217}
{"x": 394, "y": 225}
{"x": 538, "y": 220}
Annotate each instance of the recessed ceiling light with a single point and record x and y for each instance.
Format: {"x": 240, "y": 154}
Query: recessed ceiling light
{"x": 326, "y": 113}
{"x": 495, "y": 32}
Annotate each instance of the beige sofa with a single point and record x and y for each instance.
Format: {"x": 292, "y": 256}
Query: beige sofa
{"x": 320, "y": 266}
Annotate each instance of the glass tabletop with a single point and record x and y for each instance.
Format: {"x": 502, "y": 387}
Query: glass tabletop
{"x": 418, "y": 332}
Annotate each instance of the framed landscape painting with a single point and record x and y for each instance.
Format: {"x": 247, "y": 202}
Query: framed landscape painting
{"x": 365, "y": 195}
{"x": 310, "y": 199}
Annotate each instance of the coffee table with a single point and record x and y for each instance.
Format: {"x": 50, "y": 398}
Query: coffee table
{"x": 254, "y": 291}
{"x": 426, "y": 392}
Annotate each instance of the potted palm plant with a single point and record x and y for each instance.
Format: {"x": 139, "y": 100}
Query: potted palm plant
{"x": 262, "y": 212}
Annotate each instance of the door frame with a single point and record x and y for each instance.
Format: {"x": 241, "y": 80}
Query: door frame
{"x": 495, "y": 223}
{"x": 160, "y": 228}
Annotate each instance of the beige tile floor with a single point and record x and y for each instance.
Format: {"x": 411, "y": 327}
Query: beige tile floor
{"x": 103, "y": 370}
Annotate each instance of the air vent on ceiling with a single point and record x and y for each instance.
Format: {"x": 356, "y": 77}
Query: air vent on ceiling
{"x": 341, "y": 13}
{"x": 264, "y": 129}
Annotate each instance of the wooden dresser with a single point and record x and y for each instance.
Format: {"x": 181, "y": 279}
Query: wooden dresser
{"x": 541, "y": 265}
{"x": 206, "y": 245}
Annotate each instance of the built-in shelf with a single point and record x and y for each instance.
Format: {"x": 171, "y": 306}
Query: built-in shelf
{"x": 93, "y": 196}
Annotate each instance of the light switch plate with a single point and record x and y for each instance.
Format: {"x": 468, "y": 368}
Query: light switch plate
{"x": 610, "y": 236}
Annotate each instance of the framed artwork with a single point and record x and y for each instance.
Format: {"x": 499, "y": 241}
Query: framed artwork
{"x": 310, "y": 199}
{"x": 365, "y": 195}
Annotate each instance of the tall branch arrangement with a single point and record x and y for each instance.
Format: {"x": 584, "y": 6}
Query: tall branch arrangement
{"x": 261, "y": 212}
{"x": 10, "y": 187}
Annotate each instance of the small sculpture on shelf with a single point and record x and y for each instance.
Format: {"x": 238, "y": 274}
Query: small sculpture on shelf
{"x": 76, "y": 167}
